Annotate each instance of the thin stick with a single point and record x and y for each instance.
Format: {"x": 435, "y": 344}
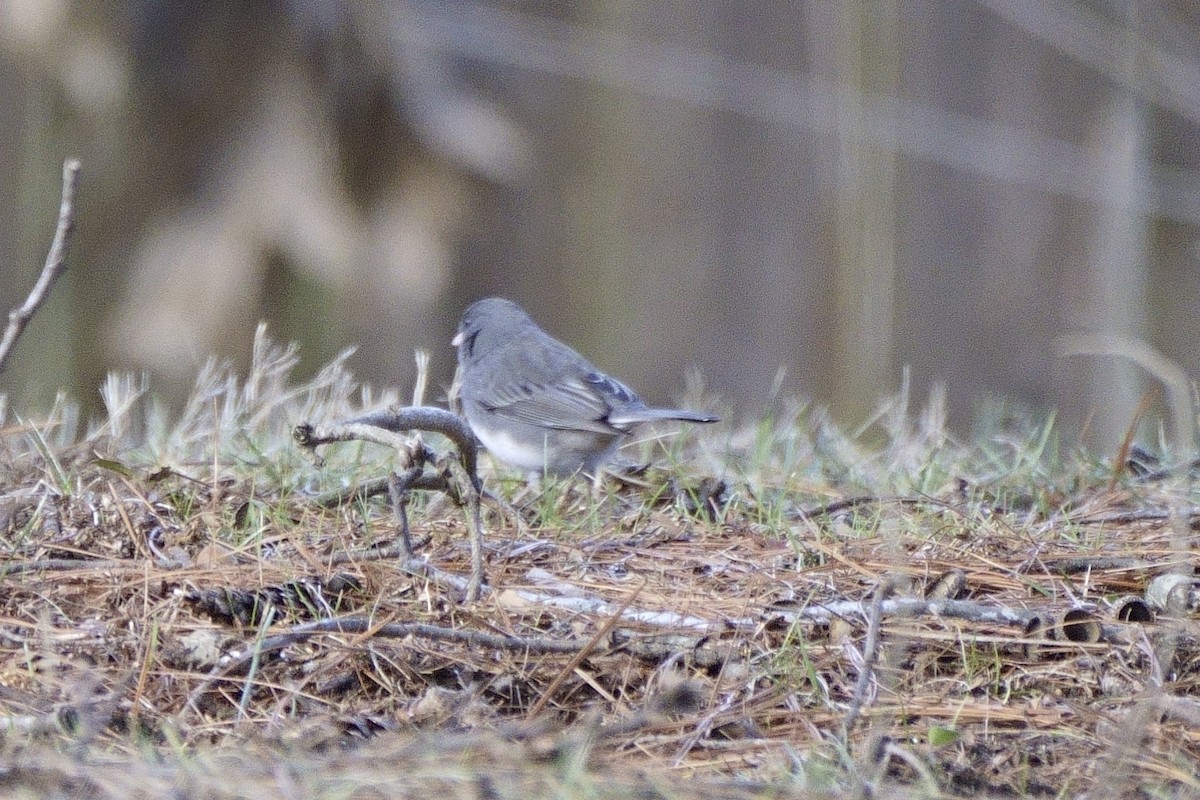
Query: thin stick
{"x": 263, "y": 646}
{"x": 56, "y": 264}
{"x": 866, "y": 672}
{"x": 1122, "y": 456}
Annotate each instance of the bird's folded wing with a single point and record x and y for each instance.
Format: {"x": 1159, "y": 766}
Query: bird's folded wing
{"x": 565, "y": 405}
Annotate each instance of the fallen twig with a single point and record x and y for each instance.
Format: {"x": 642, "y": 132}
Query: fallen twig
{"x": 459, "y": 480}
{"x": 393, "y": 630}
{"x": 68, "y": 564}
{"x": 866, "y": 672}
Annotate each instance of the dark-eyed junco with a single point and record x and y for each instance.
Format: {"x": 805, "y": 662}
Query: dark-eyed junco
{"x": 537, "y": 404}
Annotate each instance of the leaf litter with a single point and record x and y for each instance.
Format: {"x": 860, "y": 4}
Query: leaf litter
{"x": 780, "y": 609}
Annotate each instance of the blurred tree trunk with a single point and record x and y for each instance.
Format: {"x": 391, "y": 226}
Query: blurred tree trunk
{"x": 1112, "y": 297}
{"x": 857, "y": 47}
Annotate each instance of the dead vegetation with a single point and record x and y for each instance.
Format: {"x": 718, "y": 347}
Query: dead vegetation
{"x": 786, "y": 612}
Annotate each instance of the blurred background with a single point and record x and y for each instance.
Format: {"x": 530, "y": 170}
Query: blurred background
{"x": 837, "y": 190}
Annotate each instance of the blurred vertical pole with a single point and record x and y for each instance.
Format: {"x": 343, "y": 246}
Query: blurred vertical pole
{"x": 1112, "y": 299}
{"x": 640, "y": 193}
{"x": 601, "y": 258}
{"x": 861, "y": 57}
{"x": 1013, "y": 308}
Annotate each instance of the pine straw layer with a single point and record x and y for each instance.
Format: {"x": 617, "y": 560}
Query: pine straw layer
{"x": 130, "y": 624}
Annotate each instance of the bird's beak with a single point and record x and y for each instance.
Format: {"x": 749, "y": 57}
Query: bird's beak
{"x": 457, "y": 340}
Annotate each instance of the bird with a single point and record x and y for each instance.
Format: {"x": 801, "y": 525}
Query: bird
{"x": 538, "y": 405}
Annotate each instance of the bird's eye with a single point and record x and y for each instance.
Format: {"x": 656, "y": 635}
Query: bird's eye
{"x": 470, "y": 343}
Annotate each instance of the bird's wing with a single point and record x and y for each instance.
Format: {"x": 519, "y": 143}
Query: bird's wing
{"x": 570, "y": 404}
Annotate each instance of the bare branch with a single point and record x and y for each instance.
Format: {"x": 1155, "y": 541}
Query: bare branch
{"x": 56, "y": 264}
{"x": 457, "y": 478}
{"x": 367, "y": 427}
{"x": 392, "y": 630}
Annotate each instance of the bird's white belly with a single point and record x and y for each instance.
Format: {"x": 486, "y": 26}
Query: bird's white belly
{"x": 523, "y": 455}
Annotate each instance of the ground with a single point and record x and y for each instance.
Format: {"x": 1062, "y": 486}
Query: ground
{"x": 773, "y": 609}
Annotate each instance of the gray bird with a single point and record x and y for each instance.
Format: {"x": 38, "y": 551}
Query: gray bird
{"x": 535, "y": 403}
